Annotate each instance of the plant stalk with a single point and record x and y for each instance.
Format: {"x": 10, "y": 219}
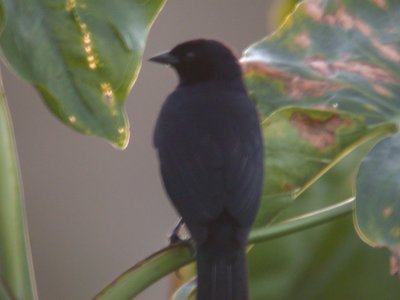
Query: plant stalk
{"x": 16, "y": 269}
{"x": 303, "y": 222}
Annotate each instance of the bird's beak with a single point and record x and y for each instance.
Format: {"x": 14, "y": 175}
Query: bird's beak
{"x": 165, "y": 58}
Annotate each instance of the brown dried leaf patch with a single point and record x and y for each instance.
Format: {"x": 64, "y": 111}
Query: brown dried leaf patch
{"x": 395, "y": 261}
{"x": 296, "y": 87}
{"x": 380, "y": 3}
{"x": 319, "y": 133}
{"x": 348, "y": 22}
{"x": 381, "y": 90}
{"x": 287, "y": 186}
{"x": 314, "y": 10}
{"x": 387, "y": 212}
{"x": 303, "y": 40}
{"x": 370, "y": 72}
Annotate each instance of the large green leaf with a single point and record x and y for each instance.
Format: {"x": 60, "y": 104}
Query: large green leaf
{"x": 83, "y": 57}
{"x": 332, "y": 55}
{"x": 378, "y": 203}
{"x": 301, "y": 144}
{"x": 341, "y": 54}
{"x": 327, "y": 262}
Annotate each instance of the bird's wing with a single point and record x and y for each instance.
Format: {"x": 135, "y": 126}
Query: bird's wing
{"x": 244, "y": 176}
{"x": 192, "y": 175}
{"x": 211, "y": 168}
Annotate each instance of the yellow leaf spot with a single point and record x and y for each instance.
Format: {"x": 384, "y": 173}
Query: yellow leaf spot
{"x": 72, "y": 119}
{"x": 70, "y": 5}
{"x": 92, "y": 65}
{"x": 83, "y": 26}
{"x": 88, "y": 48}
{"x": 107, "y": 92}
{"x": 87, "y": 40}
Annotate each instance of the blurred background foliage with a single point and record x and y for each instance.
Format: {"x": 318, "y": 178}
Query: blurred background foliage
{"x": 326, "y": 262}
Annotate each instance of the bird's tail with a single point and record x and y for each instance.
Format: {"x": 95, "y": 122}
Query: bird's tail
{"x": 222, "y": 277}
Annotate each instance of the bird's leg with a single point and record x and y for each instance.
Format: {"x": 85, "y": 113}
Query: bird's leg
{"x": 174, "y": 237}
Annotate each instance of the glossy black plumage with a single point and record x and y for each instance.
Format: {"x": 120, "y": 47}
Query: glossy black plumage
{"x": 211, "y": 158}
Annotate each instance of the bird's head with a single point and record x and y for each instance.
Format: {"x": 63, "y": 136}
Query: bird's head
{"x": 201, "y": 60}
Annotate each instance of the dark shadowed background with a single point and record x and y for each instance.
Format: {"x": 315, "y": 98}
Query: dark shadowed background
{"x": 94, "y": 211}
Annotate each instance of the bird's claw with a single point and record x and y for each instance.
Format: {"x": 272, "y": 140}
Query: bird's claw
{"x": 175, "y": 238}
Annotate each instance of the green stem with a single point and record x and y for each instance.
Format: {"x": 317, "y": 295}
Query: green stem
{"x": 312, "y": 219}
{"x": 16, "y": 268}
{"x": 165, "y": 261}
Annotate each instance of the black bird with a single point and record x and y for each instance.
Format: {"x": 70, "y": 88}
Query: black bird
{"x": 211, "y": 159}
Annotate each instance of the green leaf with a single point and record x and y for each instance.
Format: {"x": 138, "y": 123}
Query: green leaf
{"x": 340, "y": 54}
{"x": 329, "y": 54}
{"x": 82, "y": 57}
{"x": 16, "y": 270}
{"x": 301, "y": 144}
{"x": 326, "y": 262}
{"x": 334, "y": 55}
{"x": 377, "y": 211}
{"x": 280, "y": 10}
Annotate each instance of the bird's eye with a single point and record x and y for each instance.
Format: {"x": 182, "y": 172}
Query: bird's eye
{"x": 189, "y": 56}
